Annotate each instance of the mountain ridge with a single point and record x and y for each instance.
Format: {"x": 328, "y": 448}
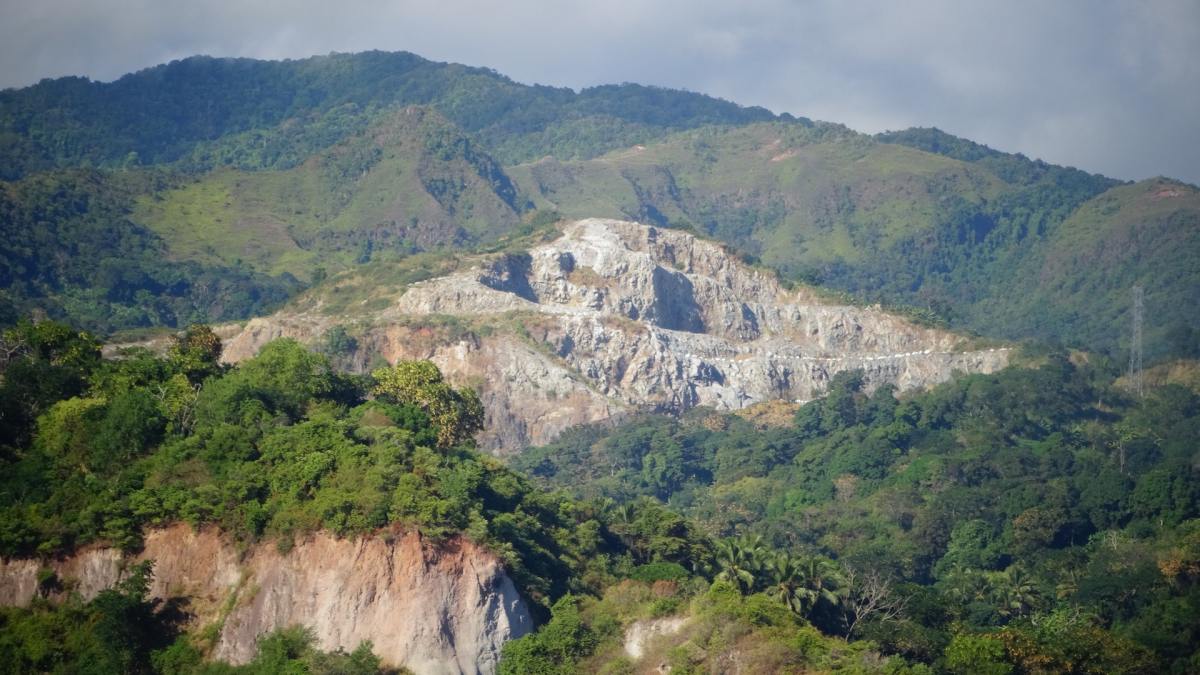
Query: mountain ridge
{"x": 274, "y": 91}
{"x": 957, "y": 231}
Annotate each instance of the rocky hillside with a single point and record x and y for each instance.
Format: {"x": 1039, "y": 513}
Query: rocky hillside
{"x": 614, "y": 315}
{"x": 434, "y": 610}
{"x": 994, "y": 242}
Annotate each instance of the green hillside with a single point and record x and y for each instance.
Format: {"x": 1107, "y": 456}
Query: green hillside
{"x": 96, "y": 451}
{"x": 798, "y": 197}
{"x": 1147, "y": 233}
{"x": 246, "y": 178}
{"x": 1039, "y": 511}
{"x": 407, "y": 182}
{"x": 69, "y": 247}
{"x": 992, "y": 242}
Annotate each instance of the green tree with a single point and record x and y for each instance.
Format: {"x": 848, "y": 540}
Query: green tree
{"x": 977, "y": 655}
{"x": 196, "y": 352}
{"x": 457, "y": 413}
{"x": 740, "y": 562}
{"x": 555, "y": 648}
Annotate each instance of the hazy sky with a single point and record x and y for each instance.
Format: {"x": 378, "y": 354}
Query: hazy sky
{"x": 1112, "y": 87}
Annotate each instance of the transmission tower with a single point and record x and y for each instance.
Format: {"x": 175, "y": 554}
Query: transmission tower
{"x": 1135, "y": 343}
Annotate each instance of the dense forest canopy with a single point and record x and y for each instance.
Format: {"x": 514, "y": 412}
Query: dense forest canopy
{"x": 1029, "y": 512}
{"x": 1035, "y": 520}
{"x": 152, "y": 116}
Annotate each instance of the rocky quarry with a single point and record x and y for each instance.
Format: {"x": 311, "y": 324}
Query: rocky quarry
{"x": 614, "y": 316}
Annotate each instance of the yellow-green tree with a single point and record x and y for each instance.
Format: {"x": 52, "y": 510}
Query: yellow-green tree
{"x": 196, "y": 352}
{"x": 456, "y": 413}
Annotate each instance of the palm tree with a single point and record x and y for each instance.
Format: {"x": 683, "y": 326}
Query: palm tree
{"x": 820, "y": 579}
{"x": 965, "y": 585}
{"x": 802, "y": 583}
{"x": 1013, "y": 591}
{"x": 622, "y": 519}
{"x": 786, "y": 582}
{"x": 1068, "y": 584}
{"x": 740, "y": 562}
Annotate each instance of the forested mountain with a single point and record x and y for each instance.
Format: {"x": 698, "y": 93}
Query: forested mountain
{"x": 102, "y": 457}
{"x": 989, "y": 242}
{"x": 176, "y": 111}
{"x": 254, "y": 174}
{"x": 69, "y": 248}
{"x": 446, "y": 266}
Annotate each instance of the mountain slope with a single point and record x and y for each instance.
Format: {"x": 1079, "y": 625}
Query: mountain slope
{"x": 258, "y": 170}
{"x": 977, "y": 236}
{"x": 70, "y": 246}
{"x": 407, "y": 182}
{"x": 799, "y": 198}
{"x": 1147, "y": 233}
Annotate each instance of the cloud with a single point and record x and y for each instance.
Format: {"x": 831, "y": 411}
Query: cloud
{"x": 1107, "y": 86}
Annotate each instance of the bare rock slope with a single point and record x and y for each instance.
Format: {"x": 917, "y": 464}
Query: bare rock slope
{"x": 447, "y": 610}
{"x": 615, "y": 314}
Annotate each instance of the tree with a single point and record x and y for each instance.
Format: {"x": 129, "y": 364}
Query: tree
{"x": 1013, "y": 592}
{"x": 869, "y": 596}
{"x": 740, "y": 562}
{"x": 132, "y": 423}
{"x": 457, "y": 413}
{"x": 1037, "y": 527}
{"x": 196, "y": 352}
{"x": 177, "y": 400}
{"x": 40, "y": 363}
{"x": 555, "y": 648}
{"x": 820, "y": 581}
{"x": 784, "y": 585}
{"x": 977, "y": 655}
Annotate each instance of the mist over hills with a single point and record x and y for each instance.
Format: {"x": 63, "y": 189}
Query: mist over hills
{"x": 254, "y": 178}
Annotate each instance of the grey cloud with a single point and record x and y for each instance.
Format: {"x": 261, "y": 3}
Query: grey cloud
{"x": 1107, "y": 86}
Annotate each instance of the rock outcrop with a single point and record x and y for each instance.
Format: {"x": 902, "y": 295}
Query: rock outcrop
{"x": 614, "y": 314}
{"x": 643, "y": 631}
{"x": 448, "y": 609}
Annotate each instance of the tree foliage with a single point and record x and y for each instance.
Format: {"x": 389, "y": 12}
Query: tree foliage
{"x": 457, "y": 414}
{"x": 977, "y": 512}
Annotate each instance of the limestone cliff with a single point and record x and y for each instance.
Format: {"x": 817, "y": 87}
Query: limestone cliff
{"x": 439, "y": 610}
{"x": 615, "y": 314}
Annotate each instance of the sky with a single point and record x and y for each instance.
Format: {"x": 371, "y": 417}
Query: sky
{"x": 1110, "y": 87}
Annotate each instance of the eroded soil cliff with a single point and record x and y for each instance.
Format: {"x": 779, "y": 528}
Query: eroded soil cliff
{"x": 445, "y": 609}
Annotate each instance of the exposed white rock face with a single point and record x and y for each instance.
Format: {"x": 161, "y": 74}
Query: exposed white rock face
{"x": 447, "y": 610}
{"x": 619, "y": 314}
{"x": 641, "y": 632}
